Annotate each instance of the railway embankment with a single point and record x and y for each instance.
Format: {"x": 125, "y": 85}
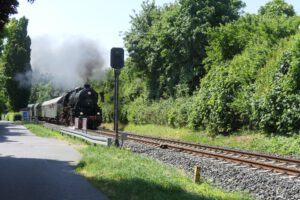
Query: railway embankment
{"x": 121, "y": 174}
{"x": 245, "y": 140}
{"x": 266, "y": 181}
{"x": 257, "y": 180}
{"x": 262, "y": 184}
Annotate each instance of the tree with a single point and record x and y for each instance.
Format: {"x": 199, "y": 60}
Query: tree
{"x": 43, "y": 88}
{"x": 277, "y": 8}
{"x": 41, "y": 92}
{"x": 236, "y": 54}
{"x": 2, "y": 91}
{"x": 7, "y": 8}
{"x": 16, "y": 63}
{"x": 190, "y": 36}
{"x": 167, "y": 45}
{"x": 140, "y": 42}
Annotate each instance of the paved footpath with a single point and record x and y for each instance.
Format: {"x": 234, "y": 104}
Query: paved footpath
{"x": 35, "y": 168}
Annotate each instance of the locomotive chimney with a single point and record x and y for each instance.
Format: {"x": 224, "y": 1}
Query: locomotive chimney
{"x": 86, "y": 85}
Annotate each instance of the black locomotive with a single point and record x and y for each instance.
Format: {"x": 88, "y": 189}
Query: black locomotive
{"x": 78, "y": 103}
{"x": 81, "y": 103}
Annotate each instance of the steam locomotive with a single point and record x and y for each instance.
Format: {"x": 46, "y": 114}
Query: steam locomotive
{"x": 78, "y": 103}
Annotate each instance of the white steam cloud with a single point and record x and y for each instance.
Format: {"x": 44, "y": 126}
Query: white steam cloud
{"x": 70, "y": 62}
{"x": 24, "y": 79}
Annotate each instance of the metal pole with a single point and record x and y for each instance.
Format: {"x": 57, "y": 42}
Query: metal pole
{"x": 117, "y": 72}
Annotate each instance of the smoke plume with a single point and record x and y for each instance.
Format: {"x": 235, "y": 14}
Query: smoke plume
{"x": 24, "y": 79}
{"x": 71, "y": 61}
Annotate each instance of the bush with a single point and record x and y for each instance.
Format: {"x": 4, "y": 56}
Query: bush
{"x": 107, "y": 112}
{"x": 144, "y": 112}
{"x": 280, "y": 113}
{"x": 179, "y": 112}
{"x": 252, "y": 81}
{"x": 222, "y": 102}
{"x": 170, "y": 112}
{"x": 225, "y": 101}
{"x": 277, "y": 101}
{"x": 13, "y": 116}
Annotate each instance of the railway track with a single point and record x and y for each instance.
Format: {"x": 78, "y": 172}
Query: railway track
{"x": 271, "y": 163}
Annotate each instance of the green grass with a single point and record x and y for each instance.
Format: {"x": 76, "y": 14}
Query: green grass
{"x": 256, "y": 141}
{"x": 123, "y": 175}
{"x": 41, "y": 131}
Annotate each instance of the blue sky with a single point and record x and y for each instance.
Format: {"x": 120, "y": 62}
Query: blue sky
{"x": 100, "y": 20}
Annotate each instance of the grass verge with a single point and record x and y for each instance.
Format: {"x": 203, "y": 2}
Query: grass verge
{"x": 122, "y": 175}
{"x": 41, "y": 131}
{"x": 256, "y": 141}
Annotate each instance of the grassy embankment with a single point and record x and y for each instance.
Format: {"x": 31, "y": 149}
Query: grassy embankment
{"x": 120, "y": 174}
{"x": 256, "y": 141}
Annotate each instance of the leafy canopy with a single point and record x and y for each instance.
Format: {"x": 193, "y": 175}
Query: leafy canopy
{"x": 277, "y": 8}
{"x": 16, "y": 63}
{"x": 167, "y": 44}
{"x": 8, "y": 7}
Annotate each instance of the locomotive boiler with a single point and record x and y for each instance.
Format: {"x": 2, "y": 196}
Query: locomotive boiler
{"x": 81, "y": 103}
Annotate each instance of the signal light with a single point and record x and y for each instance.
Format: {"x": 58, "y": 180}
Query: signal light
{"x": 117, "y": 58}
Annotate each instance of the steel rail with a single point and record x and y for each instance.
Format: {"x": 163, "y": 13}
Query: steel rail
{"x": 198, "y": 149}
{"x": 225, "y": 154}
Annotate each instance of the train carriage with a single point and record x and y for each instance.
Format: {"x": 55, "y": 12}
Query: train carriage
{"x": 52, "y": 109}
{"x": 37, "y": 111}
{"x": 31, "y": 112}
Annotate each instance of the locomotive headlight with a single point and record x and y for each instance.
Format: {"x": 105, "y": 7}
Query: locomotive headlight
{"x": 98, "y": 113}
{"x": 81, "y": 113}
{"x": 89, "y": 93}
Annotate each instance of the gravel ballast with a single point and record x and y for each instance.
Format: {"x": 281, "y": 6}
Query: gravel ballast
{"x": 231, "y": 177}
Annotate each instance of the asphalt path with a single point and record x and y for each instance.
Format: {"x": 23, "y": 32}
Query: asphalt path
{"x": 35, "y": 168}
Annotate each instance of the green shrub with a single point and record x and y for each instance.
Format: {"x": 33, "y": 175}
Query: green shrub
{"x": 252, "y": 80}
{"x": 171, "y": 112}
{"x": 280, "y": 113}
{"x": 107, "y": 112}
{"x": 179, "y": 112}
{"x": 13, "y": 116}
{"x": 278, "y": 101}
{"x": 222, "y": 102}
{"x": 144, "y": 112}
{"x": 225, "y": 100}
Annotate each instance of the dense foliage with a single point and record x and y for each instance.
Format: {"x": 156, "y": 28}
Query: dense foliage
{"x": 203, "y": 65}
{"x": 277, "y": 97}
{"x": 167, "y": 45}
{"x": 224, "y": 102}
{"x": 277, "y": 8}
{"x": 2, "y": 93}
{"x": 43, "y": 88}
{"x": 13, "y": 116}
{"x": 14, "y": 34}
{"x": 15, "y": 65}
{"x": 7, "y": 8}
{"x": 196, "y": 64}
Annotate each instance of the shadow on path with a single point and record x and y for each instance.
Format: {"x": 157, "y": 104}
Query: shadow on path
{"x": 36, "y": 179}
{"x": 9, "y": 129}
